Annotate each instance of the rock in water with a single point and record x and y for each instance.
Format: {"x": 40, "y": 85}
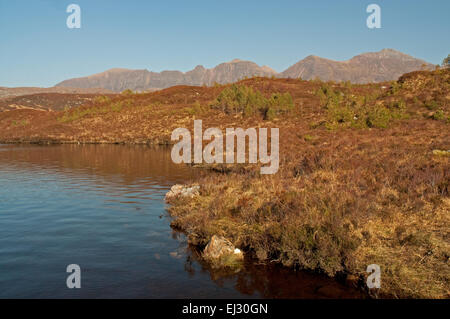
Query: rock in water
{"x": 220, "y": 252}
{"x": 182, "y": 191}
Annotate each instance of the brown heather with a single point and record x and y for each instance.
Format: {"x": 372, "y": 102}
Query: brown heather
{"x": 364, "y": 173}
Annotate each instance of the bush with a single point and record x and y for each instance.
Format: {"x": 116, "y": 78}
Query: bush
{"x": 446, "y": 62}
{"x": 247, "y": 101}
{"x": 270, "y": 114}
{"x": 328, "y": 97}
{"x": 74, "y": 114}
{"x": 438, "y": 115}
{"x": 339, "y": 116}
{"x": 395, "y": 87}
{"x": 116, "y": 107}
{"x": 379, "y": 116}
{"x": 281, "y": 102}
{"x": 101, "y": 99}
{"x": 198, "y": 109}
{"x": 127, "y": 92}
{"x": 239, "y": 98}
{"x": 348, "y": 84}
{"x": 431, "y": 105}
{"x": 361, "y": 114}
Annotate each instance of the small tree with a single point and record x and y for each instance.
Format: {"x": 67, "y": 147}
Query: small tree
{"x": 446, "y": 62}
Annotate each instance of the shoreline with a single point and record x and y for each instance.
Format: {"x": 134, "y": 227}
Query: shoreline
{"x": 57, "y": 142}
{"x": 350, "y": 280}
{"x": 362, "y": 178}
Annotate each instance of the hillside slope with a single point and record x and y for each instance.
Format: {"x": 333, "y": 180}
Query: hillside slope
{"x": 46, "y": 101}
{"x": 363, "y": 178}
{"x": 11, "y": 92}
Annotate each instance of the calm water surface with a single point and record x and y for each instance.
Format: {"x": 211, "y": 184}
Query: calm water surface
{"x": 102, "y": 207}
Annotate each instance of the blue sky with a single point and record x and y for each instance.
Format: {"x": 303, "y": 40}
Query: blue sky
{"x": 37, "y": 48}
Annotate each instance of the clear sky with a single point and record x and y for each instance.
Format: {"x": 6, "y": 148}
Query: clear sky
{"x": 37, "y": 48}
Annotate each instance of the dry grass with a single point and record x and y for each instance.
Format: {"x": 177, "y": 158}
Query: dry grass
{"x": 350, "y": 199}
{"x": 352, "y": 190}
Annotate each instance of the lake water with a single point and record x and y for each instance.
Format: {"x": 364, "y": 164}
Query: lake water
{"x": 102, "y": 207}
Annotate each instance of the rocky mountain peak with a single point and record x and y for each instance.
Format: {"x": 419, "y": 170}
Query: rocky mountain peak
{"x": 384, "y": 65}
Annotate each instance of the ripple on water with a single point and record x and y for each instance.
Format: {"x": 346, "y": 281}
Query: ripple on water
{"x": 99, "y": 206}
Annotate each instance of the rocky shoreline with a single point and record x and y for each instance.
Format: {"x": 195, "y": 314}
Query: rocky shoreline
{"x": 363, "y": 174}
{"x": 219, "y": 252}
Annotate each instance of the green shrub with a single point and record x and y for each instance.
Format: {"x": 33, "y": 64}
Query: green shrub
{"x": 399, "y": 105}
{"x": 128, "y": 102}
{"x": 127, "y": 92}
{"x": 340, "y": 114}
{"x": 236, "y": 98}
{"x": 395, "y": 87}
{"x": 348, "y": 84}
{"x": 21, "y": 123}
{"x": 328, "y": 96}
{"x": 281, "y": 102}
{"x": 355, "y": 113}
{"x": 247, "y": 101}
{"x": 270, "y": 114}
{"x": 80, "y": 112}
{"x": 431, "y": 105}
{"x": 309, "y": 138}
{"x": 116, "y": 107}
{"x": 438, "y": 115}
{"x": 322, "y": 96}
{"x": 379, "y": 116}
{"x": 446, "y": 62}
{"x": 101, "y": 99}
{"x": 198, "y": 109}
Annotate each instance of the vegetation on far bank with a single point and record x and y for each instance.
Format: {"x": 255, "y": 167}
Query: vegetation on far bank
{"x": 363, "y": 179}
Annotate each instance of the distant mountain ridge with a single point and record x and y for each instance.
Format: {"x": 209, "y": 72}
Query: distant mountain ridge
{"x": 121, "y": 79}
{"x": 385, "y": 65}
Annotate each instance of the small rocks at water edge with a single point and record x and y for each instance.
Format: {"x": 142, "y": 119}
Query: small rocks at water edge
{"x": 220, "y": 252}
{"x": 182, "y": 191}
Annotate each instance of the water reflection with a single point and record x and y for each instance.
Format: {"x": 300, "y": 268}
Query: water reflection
{"x": 125, "y": 164}
{"x": 101, "y": 206}
{"x": 271, "y": 280}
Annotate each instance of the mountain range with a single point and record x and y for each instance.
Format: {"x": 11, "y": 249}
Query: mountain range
{"x": 385, "y": 65}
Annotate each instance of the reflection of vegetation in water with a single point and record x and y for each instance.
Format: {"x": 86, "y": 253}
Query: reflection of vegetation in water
{"x": 127, "y": 163}
{"x": 362, "y": 185}
{"x": 271, "y": 281}
{"x": 358, "y": 181}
